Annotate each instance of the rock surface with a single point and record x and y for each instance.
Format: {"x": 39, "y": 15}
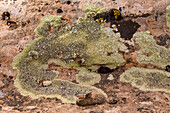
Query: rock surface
{"x": 25, "y": 16}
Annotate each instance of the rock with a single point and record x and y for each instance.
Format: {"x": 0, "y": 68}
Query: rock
{"x": 91, "y": 99}
{"x": 110, "y": 77}
{"x": 96, "y": 111}
{"x": 111, "y": 100}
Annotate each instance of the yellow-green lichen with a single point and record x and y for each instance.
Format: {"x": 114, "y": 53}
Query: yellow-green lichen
{"x": 147, "y": 79}
{"x": 168, "y": 16}
{"x": 87, "y": 78}
{"x": 62, "y": 89}
{"x": 88, "y": 41}
{"x": 49, "y": 22}
{"x": 93, "y": 8}
{"x": 158, "y": 55}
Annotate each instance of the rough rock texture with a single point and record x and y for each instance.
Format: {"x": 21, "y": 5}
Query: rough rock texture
{"x": 16, "y": 32}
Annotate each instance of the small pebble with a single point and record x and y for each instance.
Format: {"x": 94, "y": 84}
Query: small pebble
{"x": 92, "y": 98}
{"x": 110, "y": 77}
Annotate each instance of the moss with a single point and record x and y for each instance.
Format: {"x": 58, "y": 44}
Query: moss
{"x": 87, "y": 78}
{"x": 168, "y": 16}
{"x": 159, "y": 55}
{"x": 147, "y": 79}
{"x": 85, "y": 45}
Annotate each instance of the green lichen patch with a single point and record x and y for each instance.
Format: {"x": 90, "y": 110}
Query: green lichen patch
{"x": 147, "y": 79}
{"x": 93, "y": 8}
{"x": 168, "y": 16}
{"x": 150, "y": 52}
{"x": 85, "y": 45}
{"x": 47, "y": 23}
{"x": 62, "y": 89}
{"x": 87, "y": 78}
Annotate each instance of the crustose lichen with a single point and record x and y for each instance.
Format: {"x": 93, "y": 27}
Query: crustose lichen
{"x": 85, "y": 45}
{"x": 147, "y": 79}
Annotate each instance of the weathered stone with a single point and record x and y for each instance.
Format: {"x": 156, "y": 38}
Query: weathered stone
{"x": 92, "y": 98}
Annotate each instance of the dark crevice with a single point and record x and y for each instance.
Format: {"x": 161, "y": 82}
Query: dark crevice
{"x": 12, "y": 25}
{"x": 68, "y": 2}
{"x": 6, "y": 16}
{"x": 59, "y": 10}
{"x": 167, "y": 68}
{"x": 104, "y": 70}
{"x": 126, "y": 28}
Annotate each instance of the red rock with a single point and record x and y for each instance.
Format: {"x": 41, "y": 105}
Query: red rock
{"x": 92, "y": 98}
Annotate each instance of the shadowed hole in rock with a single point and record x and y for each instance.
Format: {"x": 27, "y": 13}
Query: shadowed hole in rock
{"x": 104, "y": 70}
{"x": 6, "y": 16}
{"x": 68, "y": 2}
{"x": 4, "y": 75}
{"x": 167, "y": 68}
{"x": 12, "y": 24}
{"x": 59, "y": 10}
{"x": 11, "y": 77}
{"x": 126, "y": 28}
